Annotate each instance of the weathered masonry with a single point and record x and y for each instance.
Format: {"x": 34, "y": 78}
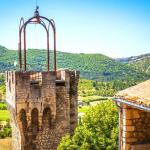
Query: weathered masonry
{"x": 43, "y": 105}
{"x": 134, "y": 120}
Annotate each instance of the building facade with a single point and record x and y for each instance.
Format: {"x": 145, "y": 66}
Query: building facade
{"x": 43, "y": 107}
{"x": 134, "y": 117}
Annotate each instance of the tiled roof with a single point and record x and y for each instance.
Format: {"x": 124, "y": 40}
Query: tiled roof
{"x": 139, "y": 94}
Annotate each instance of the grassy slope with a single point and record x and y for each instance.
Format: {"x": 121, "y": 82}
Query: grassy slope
{"x": 4, "y": 115}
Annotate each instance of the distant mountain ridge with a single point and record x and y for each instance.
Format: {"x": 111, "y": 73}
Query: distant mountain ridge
{"x": 141, "y": 62}
{"x": 133, "y": 58}
{"x": 91, "y": 66}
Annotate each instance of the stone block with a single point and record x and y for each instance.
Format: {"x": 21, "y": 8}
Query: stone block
{"x": 140, "y": 147}
{"x": 128, "y": 128}
{"x": 130, "y": 114}
{"x": 127, "y": 122}
{"x": 127, "y": 134}
{"x": 131, "y": 140}
{"x": 126, "y": 146}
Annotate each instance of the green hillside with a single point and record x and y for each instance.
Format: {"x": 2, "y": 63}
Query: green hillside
{"x": 91, "y": 66}
{"x": 141, "y": 62}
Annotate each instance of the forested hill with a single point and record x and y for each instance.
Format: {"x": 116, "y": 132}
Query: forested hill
{"x": 141, "y": 62}
{"x": 134, "y": 58}
{"x": 91, "y": 66}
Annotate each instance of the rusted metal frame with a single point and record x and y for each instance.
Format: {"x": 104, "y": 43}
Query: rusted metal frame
{"x": 25, "y": 44}
{"x": 55, "y": 65}
{"x": 48, "y": 49}
{"x": 52, "y": 23}
{"x": 21, "y": 27}
{"x": 20, "y": 54}
{"x": 24, "y": 27}
{"x": 24, "y": 48}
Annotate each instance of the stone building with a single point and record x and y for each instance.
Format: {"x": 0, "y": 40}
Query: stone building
{"x": 134, "y": 117}
{"x": 43, "y": 107}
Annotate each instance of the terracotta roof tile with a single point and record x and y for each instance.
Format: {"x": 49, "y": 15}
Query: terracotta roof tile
{"x": 139, "y": 94}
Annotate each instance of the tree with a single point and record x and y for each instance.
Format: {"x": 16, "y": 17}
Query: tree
{"x": 98, "y": 130}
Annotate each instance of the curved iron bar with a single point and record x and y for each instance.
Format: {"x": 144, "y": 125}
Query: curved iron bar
{"x": 55, "y": 65}
{"x": 53, "y": 22}
{"x": 40, "y": 21}
{"x": 21, "y": 22}
{"x": 54, "y": 36}
{"x": 43, "y": 23}
{"x": 19, "y": 45}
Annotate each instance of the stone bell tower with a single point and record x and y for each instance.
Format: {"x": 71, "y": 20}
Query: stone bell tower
{"x": 43, "y": 105}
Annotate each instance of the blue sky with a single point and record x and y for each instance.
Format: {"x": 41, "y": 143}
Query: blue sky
{"x": 117, "y": 28}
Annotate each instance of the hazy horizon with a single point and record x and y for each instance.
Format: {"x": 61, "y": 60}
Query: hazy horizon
{"x": 113, "y": 28}
{"x": 80, "y": 52}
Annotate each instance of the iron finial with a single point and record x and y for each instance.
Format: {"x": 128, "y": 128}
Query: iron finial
{"x": 36, "y": 13}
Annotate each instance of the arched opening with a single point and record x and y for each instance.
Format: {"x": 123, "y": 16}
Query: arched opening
{"x": 46, "y": 117}
{"x": 23, "y": 119}
{"x": 34, "y": 120}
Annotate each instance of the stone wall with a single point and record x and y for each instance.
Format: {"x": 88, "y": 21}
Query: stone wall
{"x": 43, "y": 107}
{"x": 134, "y": 127}
{"x": 73, "y": 103}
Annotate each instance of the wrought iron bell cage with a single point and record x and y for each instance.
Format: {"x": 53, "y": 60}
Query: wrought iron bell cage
{"x": 46, "y": 23}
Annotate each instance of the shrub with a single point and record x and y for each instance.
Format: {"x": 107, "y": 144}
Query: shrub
{"x": 98, "y": 130}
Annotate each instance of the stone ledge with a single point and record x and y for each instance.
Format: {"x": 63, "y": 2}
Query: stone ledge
{"x": 140, "y": 147}
{"x": 129, "y": 140}
{"x": 127, "y": 122}
{"x": 127, "y": 134}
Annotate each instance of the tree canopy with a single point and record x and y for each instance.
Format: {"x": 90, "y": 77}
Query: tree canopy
{"x": 98, "y": 130}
